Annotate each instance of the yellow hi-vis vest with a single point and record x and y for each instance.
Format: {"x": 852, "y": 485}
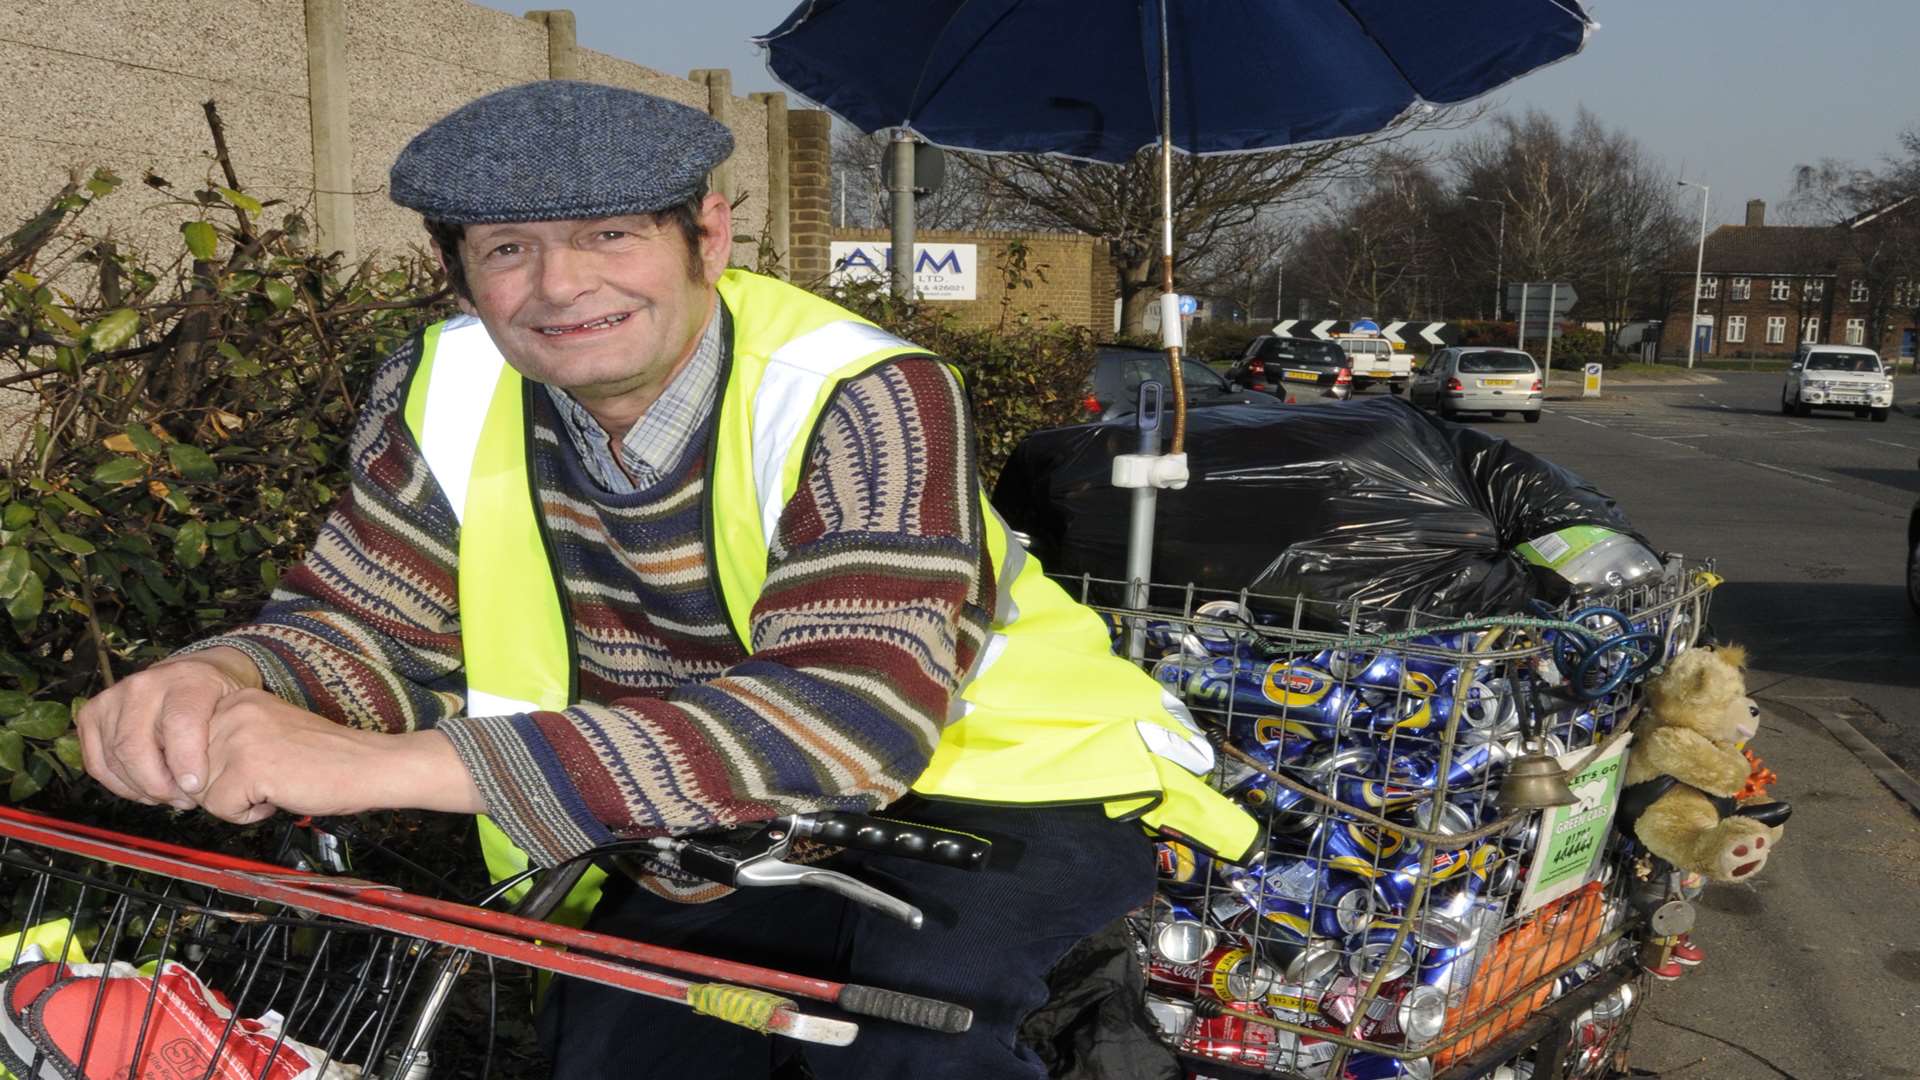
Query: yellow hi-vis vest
{"x": 1046, "y": 716}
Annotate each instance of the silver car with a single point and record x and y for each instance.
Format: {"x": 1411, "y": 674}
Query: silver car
{"x": 1479, "y": 379}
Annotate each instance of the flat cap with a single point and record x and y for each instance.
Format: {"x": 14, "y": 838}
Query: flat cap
{"x": 558, "y": 150}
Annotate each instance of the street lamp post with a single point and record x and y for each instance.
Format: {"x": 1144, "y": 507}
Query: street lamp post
{"x": 1499, "y": 256}
{"x": 1699, "y": 261}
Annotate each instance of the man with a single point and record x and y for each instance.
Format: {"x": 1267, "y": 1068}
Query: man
{"x": 643, "y": 546}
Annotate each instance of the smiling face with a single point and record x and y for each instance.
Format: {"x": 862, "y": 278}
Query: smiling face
{"x": 607, "y": 309}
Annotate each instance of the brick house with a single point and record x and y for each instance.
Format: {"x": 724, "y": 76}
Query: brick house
{"x": 1764, "y": 289}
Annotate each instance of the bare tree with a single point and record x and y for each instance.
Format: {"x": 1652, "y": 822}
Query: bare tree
{"x": 1214, "y": 197}
{"x": 1876, "y": 215}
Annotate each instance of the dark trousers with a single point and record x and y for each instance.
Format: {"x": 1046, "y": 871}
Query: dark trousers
{"x": 990, "y": 937}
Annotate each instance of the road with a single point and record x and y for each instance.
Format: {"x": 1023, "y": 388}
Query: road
{"x": 1806, "y": 519}
{"x": 1813, "y": 969}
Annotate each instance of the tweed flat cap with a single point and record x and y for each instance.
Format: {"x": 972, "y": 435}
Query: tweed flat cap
{"x": 557, "y": 150}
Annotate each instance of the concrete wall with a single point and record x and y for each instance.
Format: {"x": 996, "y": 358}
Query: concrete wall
{"x": 1078, "y": 287}
{"x": 104, "y": 83}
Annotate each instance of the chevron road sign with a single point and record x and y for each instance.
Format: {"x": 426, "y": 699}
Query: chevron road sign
{"x": 1400, "y": 332}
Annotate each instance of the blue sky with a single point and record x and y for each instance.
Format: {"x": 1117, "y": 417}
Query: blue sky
{"x": 1737, "y": 91}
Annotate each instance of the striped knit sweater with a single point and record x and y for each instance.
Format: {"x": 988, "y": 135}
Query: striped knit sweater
{"x": 876, "y": 600}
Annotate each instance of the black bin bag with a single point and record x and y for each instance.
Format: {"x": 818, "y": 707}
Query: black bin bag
{"x": 1371, "y": 501}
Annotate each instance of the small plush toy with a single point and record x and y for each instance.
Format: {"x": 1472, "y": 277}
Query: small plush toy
{"x": 1686, "y": 770}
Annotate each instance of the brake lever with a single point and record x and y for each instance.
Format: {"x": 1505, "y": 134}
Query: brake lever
{"x": 755, "y": 857}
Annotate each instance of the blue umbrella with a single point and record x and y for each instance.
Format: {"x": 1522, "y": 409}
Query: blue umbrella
{"x": 1082, "y": 78}
{"x": 1101, "y": 79}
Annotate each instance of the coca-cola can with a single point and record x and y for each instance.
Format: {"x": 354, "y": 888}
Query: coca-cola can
{"x": 1230, "y": 1037}
{"x": 1170, "y": 1016}
{"x": 1374, "y": 948}
{"x": 1231, "y": 972}
{"x": 1341, "y": 1000}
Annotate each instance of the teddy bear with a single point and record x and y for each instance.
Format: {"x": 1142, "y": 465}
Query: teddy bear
{"x": 1686, "y": 769}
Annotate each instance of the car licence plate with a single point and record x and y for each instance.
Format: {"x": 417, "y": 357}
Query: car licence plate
{"x": 1303, "y": 376}
{"x": 1496, "y": 382}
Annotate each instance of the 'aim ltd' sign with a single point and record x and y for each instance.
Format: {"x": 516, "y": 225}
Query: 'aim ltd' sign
{"x": 940, "y": 271}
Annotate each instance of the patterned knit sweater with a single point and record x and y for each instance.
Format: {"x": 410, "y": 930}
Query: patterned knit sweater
{"x": 877, "y": 598}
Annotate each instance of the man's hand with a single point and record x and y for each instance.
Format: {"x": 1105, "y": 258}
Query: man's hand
{"x": 146, "y": 737}
{"x": 266, "y": 755}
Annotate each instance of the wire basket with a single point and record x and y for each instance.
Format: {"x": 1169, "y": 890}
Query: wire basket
{"x": 1398, "y": 918}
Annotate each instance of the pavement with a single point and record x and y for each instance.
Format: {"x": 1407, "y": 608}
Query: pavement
{"x": 1770, "y": 1000}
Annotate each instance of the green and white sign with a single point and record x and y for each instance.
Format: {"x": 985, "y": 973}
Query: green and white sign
{"x": 1572, "y": 838}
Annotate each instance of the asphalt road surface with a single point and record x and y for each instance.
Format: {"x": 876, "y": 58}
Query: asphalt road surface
{"x": 1806, "y": 519}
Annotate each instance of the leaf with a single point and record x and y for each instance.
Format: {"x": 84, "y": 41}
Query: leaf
{"x": 245, "y": 202}
{"x": 77, "y": 504}
{"x": 25, "y": 784}
{"x": 13, "y": 751}
{"x": 43, "y": 720}
{"x": 124, "y": 470}
{"x": 103, "y": 182}
{"x": 190, "y": 544}
{"x": 67, "y": 749}
{"x": 280, "y": 294}
{"x": 142, "y": 439}
{"x": 192, "y": 462}
{"x": 58, "y": 316}
{"x": 14, "y": 702}
{"x": 119, "y": 444}
{"x": 114, "y": 329}
{"x": 15, "y": 566}
{"x": 269, "y": 573}
{"x": 226, "y": 527}
{"x": 202, "y": 241}
{"x": 71, "y": 544}
{"x": 18, "y": 515}
{"x": 26, "y": 603}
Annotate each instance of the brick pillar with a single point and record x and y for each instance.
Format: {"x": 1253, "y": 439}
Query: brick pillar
{"x": 719, "y": 84}
{"x": 330, "y": 126}
{"x": 563, "y": 42}
{"x": 809, "y": 192}
{"x": 1103, "y": 285}
{"x": 779, "y": 224}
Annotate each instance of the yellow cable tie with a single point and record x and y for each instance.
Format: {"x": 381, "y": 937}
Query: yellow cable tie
{"x": 740, "y": 1005}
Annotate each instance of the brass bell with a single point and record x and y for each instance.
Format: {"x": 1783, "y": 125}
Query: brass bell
{"x": 1534, "y": 782}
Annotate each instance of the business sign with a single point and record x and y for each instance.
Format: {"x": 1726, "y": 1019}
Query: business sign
{"x": 940, "y": 271}
{"x": 1572, "y": 838}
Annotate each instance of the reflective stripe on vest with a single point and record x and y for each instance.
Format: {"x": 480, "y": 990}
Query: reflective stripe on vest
{"x": 1046, "y": 715}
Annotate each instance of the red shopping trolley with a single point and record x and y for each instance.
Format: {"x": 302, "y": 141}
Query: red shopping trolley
{"x": 129, "y": 957}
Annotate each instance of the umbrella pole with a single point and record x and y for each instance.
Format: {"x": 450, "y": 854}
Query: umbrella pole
{"x": 1170, "y": 326}
{"x": 1147, "y": 471}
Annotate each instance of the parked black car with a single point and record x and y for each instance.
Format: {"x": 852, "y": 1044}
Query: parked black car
{"x": 1280, "y": 365}
{"x": 1118, "y": 370}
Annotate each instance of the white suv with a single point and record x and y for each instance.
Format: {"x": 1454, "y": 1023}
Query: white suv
{"x": 1837, "y": 377}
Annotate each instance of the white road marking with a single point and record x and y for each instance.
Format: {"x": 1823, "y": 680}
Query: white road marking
{"x": 1884, "y": 442}
{"x": 1789, "y": 472}
{"x": 1581, "y": 419}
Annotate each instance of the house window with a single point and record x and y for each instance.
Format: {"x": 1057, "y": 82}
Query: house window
{"x": 1903, "y": 293}
{"x": 1780, "y": 289}
{"x": 1736, "y": 329}
{"x": 1710, "y": 288}
{"x": 1815, "y": 290}
{"x": 1856, "y": 331}
{"x": 1858, "y": 294}
{"x": 1810, "y": 331}
{"x": 1776, "y": 329}
{"x": 1742, "y": 289}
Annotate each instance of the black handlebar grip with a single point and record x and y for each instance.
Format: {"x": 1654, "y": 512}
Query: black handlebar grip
{"x": 902, "y": 1008}
{"x": 960, "y": 850}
